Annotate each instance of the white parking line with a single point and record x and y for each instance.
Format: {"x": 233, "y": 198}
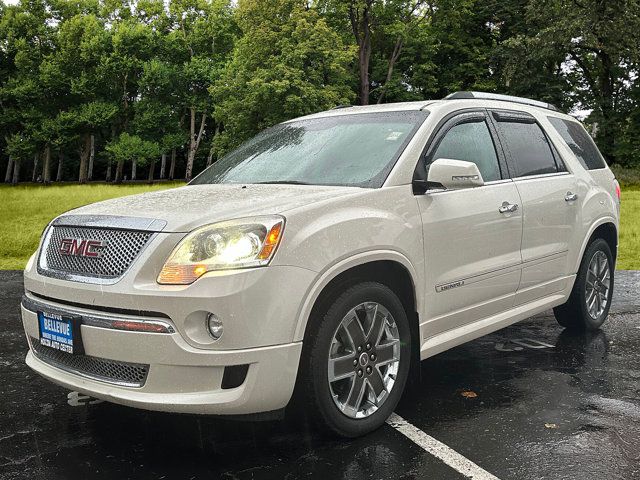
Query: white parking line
{"x": 439, "y": 450}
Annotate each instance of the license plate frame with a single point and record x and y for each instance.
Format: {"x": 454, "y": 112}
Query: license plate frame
{"x": 60, "y": 332}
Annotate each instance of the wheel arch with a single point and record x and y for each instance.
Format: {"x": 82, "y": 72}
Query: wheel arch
{"x": 604, "y": 228}
{"x": 387, "y": 267}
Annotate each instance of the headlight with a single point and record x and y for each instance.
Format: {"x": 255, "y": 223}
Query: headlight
{"x": 242, "y": 243}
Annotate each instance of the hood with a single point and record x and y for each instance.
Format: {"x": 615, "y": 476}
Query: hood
{"x": 188, "y": 207}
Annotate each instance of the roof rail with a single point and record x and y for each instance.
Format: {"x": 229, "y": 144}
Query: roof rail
{"x": 502, "y": 98}
{"x": 337, "y": 107}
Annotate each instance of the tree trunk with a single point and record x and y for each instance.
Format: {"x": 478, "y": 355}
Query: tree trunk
{"x": 172, "y": 168}
{"x": 607, "y": 134}
{"x": 60, "y": 163}
{"x": 8, "y": 174}
{"x": 392, "y": 62}
{"x": 364, "y": 56}
{"x": 92, "y": 155}
{"x": 361, "y": 27}
{"x": 108, "y": 176}
{"x": 46, "y": 165}
{"x": 152, "y": 168}
{"x": 194, "y": 141}
{"x": 119, "y": 171}
{"x": 85, "y": 148}
{"x": 163, "y": 165}
{"x": 16, "y": 173}
{"x": 134, "y": 169}
{"x": 36, "y": 157}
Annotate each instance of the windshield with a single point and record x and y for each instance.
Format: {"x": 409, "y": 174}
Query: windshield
{"x": 349, "y": 150}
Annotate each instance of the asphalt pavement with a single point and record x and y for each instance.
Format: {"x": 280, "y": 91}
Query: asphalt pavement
{"x": 531, "y": 401}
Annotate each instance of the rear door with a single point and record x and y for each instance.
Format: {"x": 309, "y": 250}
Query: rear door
{"x": 550, "y": 203}
{"x": 472, "y": 250}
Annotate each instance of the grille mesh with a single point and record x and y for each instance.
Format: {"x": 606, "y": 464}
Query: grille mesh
{"x": 121, "y": 249}
{"x": 110, "y": 371}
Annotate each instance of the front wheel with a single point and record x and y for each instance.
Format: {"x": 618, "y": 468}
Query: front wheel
{"x": 590, "y": 299}
{"x": 356, "y": 359}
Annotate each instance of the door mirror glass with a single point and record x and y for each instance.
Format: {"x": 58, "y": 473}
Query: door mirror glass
{"x": 454, "y": 174}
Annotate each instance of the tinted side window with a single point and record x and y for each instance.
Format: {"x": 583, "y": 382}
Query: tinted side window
{"x": 471, "y": 142}
{"x": 580, "y": 142}
{"x": 529, "y": 148}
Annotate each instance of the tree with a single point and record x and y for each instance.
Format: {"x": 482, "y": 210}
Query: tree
{"x": 132, "y": 148}
{"x": 25, "y": 40}
{"x": 380, "y": 30}
{"x": 591, "y": 50}
{"x": 204, "y": 40}
{"x": 290, "y": 64}
{"x": 20, "y": 148}
{"x": 170, "y": 143}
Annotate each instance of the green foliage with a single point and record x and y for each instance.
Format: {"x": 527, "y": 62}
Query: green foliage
{"x": 127, "y": 148}
{"x": 20, "y": 147}
{"x": 288, "y": 63}
{"x": 586, "y": 54}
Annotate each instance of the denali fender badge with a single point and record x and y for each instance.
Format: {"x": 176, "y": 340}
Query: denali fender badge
{"x": 82, "y": 247}
{"x": 449, "y": 286}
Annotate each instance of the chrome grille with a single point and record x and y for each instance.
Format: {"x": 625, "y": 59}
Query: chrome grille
{"x": 104, "y": 370}
{"x": 121, "y": 247}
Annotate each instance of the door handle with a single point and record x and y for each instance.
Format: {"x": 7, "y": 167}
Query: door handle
{"x": 570, "y": 197}
{"x": 508, "y": 207}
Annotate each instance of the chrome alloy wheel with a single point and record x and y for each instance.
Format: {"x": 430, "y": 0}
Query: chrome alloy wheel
{"x": 364, "y": 357}
{"x": 597, "y": 284}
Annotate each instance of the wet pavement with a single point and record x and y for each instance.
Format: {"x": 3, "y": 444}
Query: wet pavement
{"x": 548, "y": 404}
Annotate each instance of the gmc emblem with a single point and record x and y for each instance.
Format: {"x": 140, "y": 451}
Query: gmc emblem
{"x": 82, "y": 248}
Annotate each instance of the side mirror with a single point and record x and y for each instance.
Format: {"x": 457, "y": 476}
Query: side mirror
{"x": 453, "y": 174}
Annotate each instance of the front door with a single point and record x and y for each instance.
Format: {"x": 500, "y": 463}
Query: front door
{"x": 472, "y": 245}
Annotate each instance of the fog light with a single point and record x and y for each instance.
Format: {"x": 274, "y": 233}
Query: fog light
{"x": 215, "y": 326}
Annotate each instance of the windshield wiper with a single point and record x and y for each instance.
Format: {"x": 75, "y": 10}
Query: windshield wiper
{"x": 284, "y": 182}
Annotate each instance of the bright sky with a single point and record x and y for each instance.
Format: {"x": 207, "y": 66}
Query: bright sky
{"x": 9, "y": 2}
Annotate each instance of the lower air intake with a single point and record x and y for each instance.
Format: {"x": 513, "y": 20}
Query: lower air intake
{"x": 101, "y": 369}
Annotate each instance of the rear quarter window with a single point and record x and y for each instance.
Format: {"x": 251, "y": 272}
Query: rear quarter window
{"x": 580, "y": 142}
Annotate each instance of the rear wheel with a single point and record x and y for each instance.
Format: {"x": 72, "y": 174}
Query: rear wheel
{"x": 356, "y": 360}
{"x": 590, "y": 300}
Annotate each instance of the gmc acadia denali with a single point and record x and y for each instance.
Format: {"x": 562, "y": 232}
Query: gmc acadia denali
{"x": 321, "y": 258}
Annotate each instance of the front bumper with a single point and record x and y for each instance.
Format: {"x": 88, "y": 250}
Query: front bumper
{"x": 259, "y": 307}
{"x": 180, "y": 378}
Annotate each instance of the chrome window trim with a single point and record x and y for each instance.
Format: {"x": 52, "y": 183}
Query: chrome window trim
{"x": 451, "y": 190}
{"x": 91, "y": 319}
{"x": 541, "y": 175}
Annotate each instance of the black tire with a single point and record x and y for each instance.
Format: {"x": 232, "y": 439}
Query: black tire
{"x": 574, "y": 314}
{"x": 313, "y": 390}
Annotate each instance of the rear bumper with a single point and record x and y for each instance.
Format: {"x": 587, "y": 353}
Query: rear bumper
{"x": 180, "y": 378}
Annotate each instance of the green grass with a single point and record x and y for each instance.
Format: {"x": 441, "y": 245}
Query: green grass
{"x": 27, "y": 209}
{"x": 629, "y": 248}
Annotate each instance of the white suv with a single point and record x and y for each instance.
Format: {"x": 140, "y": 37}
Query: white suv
{"x": 325, "y": 256}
